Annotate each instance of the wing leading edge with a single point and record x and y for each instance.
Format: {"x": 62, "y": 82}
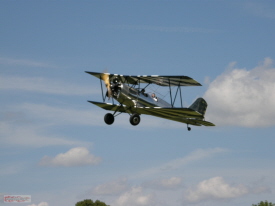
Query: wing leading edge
{"x": 151, "y": 79}
{"x": 183, "y": 115}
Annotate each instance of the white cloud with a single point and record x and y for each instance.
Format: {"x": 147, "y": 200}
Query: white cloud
{"x": 164, "y": 184}
{"x": 243, "y": 97}
{"x": 135, "y": 197}
{"x": 44, "y": 85}
{"x": 111, "y": 188}
{"x": 217, "y": 189}
{"x": 197, "y": 155}
{"x": 40, "y": 204}
{"x": 78, "y": 156}
{"x": 214, "y": 189}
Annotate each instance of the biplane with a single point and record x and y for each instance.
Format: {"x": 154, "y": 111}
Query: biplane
{"x": 130, "y": 92}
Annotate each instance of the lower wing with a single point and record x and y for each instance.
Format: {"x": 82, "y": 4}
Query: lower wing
{"x": 184, "y": 115}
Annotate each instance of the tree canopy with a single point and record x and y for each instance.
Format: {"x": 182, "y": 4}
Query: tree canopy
{"x": 89, "y": 202}
{"x": 266, "y": 203}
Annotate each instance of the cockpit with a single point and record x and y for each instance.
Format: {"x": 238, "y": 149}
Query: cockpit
{"x": 153, "y": 95}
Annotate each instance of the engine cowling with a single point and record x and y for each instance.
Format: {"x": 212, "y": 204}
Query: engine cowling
{"x": 115, "y": 87}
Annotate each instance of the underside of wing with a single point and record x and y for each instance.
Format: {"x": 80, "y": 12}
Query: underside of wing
{"x": 151, "y": 79}
{"x": 109, "y": 106}
{"x": 183, "y": 115}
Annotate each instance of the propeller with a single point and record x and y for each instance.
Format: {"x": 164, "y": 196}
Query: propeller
{"x": 105, "y": 78}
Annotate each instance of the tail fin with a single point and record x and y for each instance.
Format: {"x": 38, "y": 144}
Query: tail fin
{"x": 199, "y": 105}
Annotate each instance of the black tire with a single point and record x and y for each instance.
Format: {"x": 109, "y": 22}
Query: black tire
{"x": 135, "y": 119}
{"x": 109, "y": 118}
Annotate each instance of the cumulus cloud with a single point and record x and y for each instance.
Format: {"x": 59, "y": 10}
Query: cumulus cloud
{"x": 164, "y": 184}
{"x": 78, "y": 156}
{"x": 214, "y": 189}
{"x": 40, "y": 204}
{"x": 135, "y": 197}
{"x": 111, "y": 188}
{"x": 243, "y": 97}
{"x": 217, "y": 189}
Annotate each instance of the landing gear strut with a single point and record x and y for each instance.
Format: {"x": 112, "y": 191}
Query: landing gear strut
{"x": 109, "y": 118}
{"x": 135, "y": 119}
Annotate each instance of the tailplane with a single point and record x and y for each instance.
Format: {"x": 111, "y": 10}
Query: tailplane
{"x": 199, "y": 105}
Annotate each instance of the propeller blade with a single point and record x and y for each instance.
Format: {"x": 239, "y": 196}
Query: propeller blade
{"x": 105, "y": 78}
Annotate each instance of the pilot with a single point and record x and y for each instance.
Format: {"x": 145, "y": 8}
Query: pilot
{"x": 143, "y": 92}
{"x": 154, "y": 97}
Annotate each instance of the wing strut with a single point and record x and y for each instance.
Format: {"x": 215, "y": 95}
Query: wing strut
{"x": 103, "y": 98}
{"x": 147, "y": 85}
{"x": 180, "y": 96}
{"x": 176, "y": 95}
{"x": 170, "y": 92}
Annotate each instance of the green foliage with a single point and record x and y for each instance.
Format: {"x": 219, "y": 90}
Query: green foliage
{"x": 264, "y": 204}
{"x": 89, "y": 202}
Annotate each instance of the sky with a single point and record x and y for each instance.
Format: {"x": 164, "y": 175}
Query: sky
{"x": 55, "y": 145}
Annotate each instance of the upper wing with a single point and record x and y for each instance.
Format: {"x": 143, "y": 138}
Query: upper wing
{"x": 184, "y": 115}
{"x": 152, "y": 79}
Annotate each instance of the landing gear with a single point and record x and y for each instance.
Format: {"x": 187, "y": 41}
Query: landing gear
{"x": 188, "y": 128}
{"x": 109, "y": 118}
{"x": 135, "y": 119}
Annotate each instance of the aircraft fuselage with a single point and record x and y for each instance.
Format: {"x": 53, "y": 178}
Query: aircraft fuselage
{"x": 134, "y": 98}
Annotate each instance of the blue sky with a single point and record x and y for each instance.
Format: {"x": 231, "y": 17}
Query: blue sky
{"x": 56, "y": 147}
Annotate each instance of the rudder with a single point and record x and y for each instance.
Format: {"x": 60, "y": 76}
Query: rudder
{"x": 200, "y": 105}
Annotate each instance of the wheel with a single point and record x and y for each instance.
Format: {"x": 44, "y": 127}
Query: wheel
{"x": 109, "y": 118}
{"x": 135, "y": 119}
{"x": 189, "y": 128}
